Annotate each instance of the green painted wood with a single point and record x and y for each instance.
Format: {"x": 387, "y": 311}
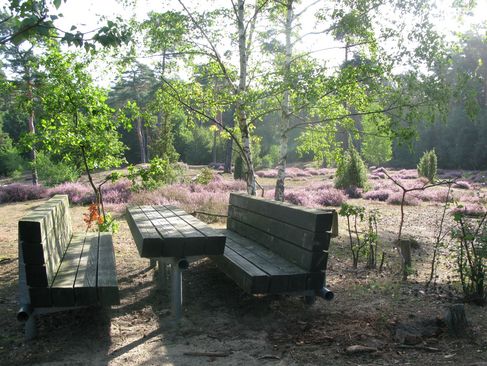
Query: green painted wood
{"x": 214, "y": 243}
{"x": 246, "y": 275}
{"x": 161, "y": 231}
{"x": 285, "y": 276}
{"x": 309, "y": 261}
{"x": 316, "y": 280}
{"x": 62, "y": 288}
{"x": 278, "y": 280}
{"x": 179, "y": 239}
{"x": 107, "y": 274}
{"x": 145, "y": 235}
{"x": 85, "y": 292}
{"x": 33, "y": 253}
{"x": 306, "y": 218}
{"x": 36, "y": 275}
{"x": 44, "y": 234}
{"x": 40, "y": 296}
{"x": 309, "y": 240}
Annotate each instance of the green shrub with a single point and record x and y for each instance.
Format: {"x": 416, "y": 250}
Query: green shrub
{"x": 351, "y": 171}
{"x": 52, "y": 173}
{"x": 239, "y": 171}
{"x": 11, "y": 163}
{"x": 270, "y": 160}
{"x": 205, "y": 176}
{"x": 159, "y": 172}
{"x": 427, "y": 165}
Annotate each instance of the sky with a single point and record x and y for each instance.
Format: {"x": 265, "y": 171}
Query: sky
{"x": 86, "y": 15}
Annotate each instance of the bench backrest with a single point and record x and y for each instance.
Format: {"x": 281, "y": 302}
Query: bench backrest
{"x": 299, "y": 234}
{"x": 44, "y": 234}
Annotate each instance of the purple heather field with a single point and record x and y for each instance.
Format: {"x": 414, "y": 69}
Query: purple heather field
{"x": 310, "y": 187}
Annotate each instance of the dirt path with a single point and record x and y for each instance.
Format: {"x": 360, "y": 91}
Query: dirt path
{"x": 237, "y": 328}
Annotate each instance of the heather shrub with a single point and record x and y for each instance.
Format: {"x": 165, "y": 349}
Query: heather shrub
{"x": 218, "y": 184}
{"x": 78, "y": 193}
{"x": 396, "y": 198}
{"x": 427, "y": 166}
{"x": 51, "y": 173}
{"x": 298, "y": 197}
{"x": 406, "y": 174}
{"x": 312, "y": 171}
{"x": 269, "y": 173}
{"x": 470, "y": 209}
{"x": 378, "y": 195}
{"x": 434, "y": 195}
{"x": 118, "y": 192}
{"x": 351, "y": 171}
{"x": 353, "y": 192}
{"x": 297, "y": 172}
{"x": 329, "y": 197}
{"x": 17, "y": 192}
{"x": 462, "y": 184}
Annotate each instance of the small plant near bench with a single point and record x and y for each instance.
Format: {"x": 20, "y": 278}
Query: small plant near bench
{"x": 367, "y": 243}
{"x": 470, "y": 234}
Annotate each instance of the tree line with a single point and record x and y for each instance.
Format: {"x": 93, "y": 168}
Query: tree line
{"x": 241, "y": 82}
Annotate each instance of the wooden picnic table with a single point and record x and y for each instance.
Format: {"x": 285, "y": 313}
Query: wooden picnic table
{"x": 169, "y": 235}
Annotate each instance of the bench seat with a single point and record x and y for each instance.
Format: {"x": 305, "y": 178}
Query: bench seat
{"x": 274, "y": 247}
{"x": 59, "y": 269}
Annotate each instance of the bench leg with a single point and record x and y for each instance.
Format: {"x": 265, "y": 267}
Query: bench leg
{"x": 30, "y": 328}
{"x": 176, "y": 291}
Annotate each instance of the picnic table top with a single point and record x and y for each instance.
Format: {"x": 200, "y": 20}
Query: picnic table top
{"x": 168, "y": 231}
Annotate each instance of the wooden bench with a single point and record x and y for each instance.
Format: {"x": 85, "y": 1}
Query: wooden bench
{"x": 59, "y": 270}
{"x": 277, "y": 248}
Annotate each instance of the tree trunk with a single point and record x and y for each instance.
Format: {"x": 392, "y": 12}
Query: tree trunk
{"x": 286, "y": 106}
{"x": 240, "y": 105}
{"x": 140, "y": 139}
{"x": 32, "y": 130}
{"x": 147, "y": 143}
{"x": 228, "y": 151}
{"x": 456, "y": 320}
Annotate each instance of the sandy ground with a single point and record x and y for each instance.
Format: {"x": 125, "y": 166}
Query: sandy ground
{"x": 234, "y": 328}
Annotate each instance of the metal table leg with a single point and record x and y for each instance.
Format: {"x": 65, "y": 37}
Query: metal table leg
{"x": 176, "y": 291}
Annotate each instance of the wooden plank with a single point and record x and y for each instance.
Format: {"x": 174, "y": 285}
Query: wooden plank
{"x": 310, "y": 261}
{"x": 49, "y": 233}
{"x": 310, "y": 240}
{"x": 185, "y": 235}
{"x": 214, "y": 243}
{"x": 33, "y": 253}
{"x": 107, "y": 285}
{"x": 245, "y": 274}
{"x": 85, "y": 292}
{"x": 62, "y": 289}
{"x": 285, "y": 276}
{"x": 36, "y": 275}
{"x": 40, "y": 296}
{"x": 315, "y": 280}
{"x": 303, "y": 217}
{"x": 146, "y": 237}
{"x": 174, "y": 237}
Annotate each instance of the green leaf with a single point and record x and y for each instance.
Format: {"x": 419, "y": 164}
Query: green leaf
{"x": 57, "y": 3}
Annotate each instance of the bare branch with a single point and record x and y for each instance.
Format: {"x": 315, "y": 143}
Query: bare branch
{"x": 212, "y": 46}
